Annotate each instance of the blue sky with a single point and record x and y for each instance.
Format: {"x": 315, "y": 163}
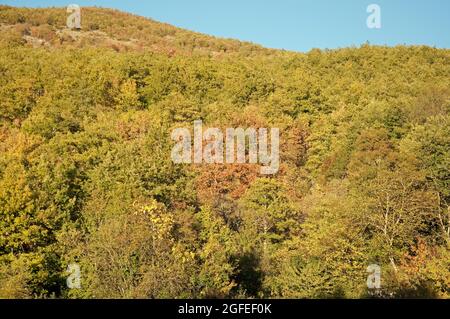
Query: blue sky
{"x": 298, "y": 25}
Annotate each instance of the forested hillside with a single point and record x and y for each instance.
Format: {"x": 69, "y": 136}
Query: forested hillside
{"x": 86, "y": 174}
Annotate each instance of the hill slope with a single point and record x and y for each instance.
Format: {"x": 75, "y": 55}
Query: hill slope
{"x": 87, "y": 181}
{"x": 114, "y": 29}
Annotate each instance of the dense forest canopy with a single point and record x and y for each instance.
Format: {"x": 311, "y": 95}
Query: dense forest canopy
{"x": 86, "y": 175}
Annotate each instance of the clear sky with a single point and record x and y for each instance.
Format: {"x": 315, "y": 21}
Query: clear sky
{"x": 298, "y": 25}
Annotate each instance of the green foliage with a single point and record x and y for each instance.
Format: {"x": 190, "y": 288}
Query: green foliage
{"x": 86, "y": 174}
